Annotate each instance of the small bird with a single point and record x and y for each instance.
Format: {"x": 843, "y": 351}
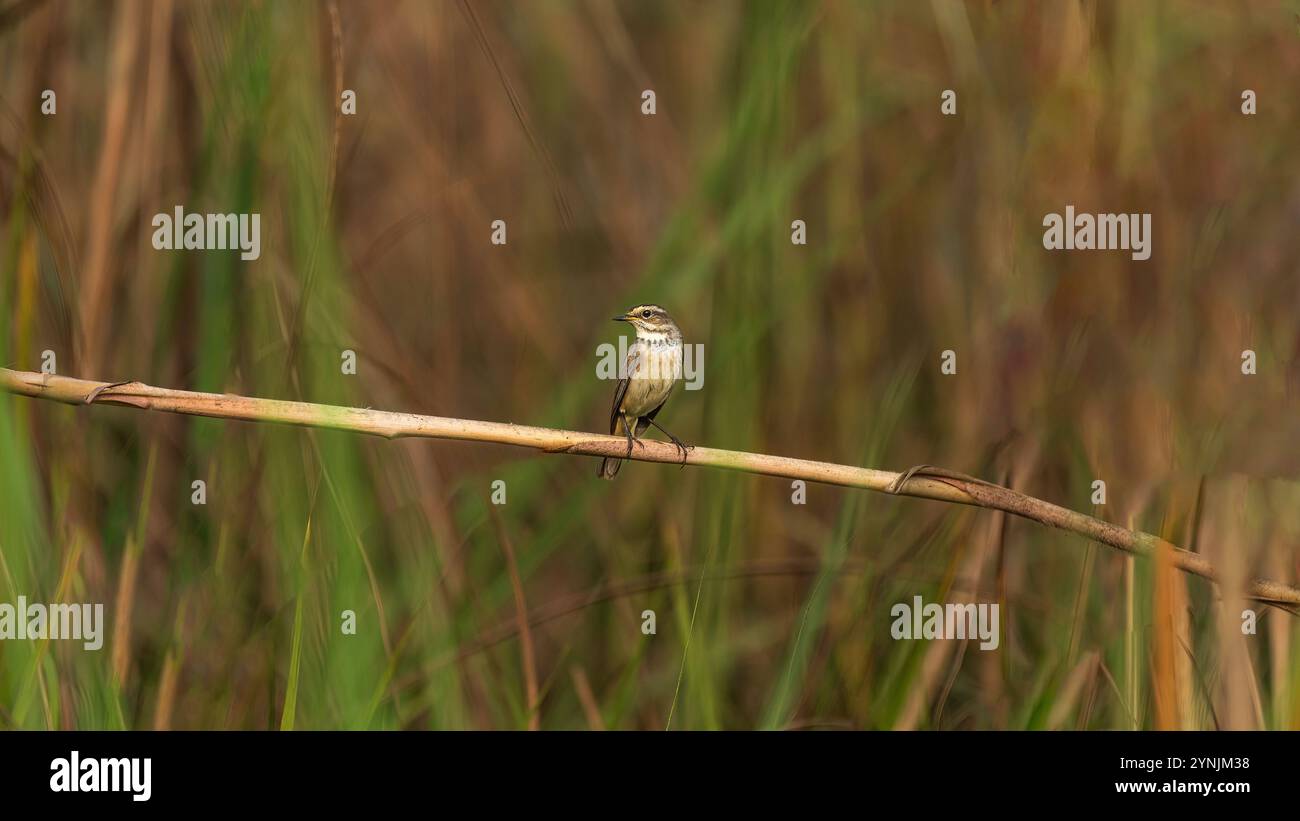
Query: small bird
{"x": 654, "y": 364}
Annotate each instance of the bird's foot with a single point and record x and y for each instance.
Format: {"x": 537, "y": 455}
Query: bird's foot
{"x": 681, "y": 446}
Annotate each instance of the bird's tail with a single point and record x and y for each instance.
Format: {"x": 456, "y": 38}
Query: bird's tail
{"x": 609, "y": 467}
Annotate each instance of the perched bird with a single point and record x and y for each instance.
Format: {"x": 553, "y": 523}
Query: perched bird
{"x": 654, "y": 363}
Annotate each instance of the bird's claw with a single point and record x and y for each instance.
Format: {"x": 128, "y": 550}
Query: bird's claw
{"x": 682, "y": 448}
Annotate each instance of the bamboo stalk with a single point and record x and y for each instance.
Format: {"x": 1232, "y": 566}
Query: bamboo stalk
{"x": 949, "y": 487}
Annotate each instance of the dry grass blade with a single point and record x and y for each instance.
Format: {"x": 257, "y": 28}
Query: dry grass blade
{"x": 930, "y": 484}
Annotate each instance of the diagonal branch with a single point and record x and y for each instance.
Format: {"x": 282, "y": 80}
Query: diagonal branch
{"x": 926, "y": 483}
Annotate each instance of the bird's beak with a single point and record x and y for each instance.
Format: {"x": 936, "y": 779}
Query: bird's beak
{"x": 622, "y": 318}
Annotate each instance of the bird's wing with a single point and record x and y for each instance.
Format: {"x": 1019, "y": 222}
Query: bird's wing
{"x": 620, "y": 390}
{"x": 630, "y": 366}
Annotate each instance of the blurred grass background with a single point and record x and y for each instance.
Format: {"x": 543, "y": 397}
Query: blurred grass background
{"x": 924, "y": 235}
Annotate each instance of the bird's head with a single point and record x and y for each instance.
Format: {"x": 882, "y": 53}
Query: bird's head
{"x": 649, "y": 319}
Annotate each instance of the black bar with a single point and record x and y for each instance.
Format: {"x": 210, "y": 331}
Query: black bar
{"x": 327, "y": 770}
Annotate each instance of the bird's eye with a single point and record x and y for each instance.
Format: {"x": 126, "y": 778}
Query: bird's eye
{"x": 645, "y": 314}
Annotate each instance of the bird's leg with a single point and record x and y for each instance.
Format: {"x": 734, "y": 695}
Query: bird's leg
{"x": 681, "y": 446}
{"x": 627, "y": 431}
